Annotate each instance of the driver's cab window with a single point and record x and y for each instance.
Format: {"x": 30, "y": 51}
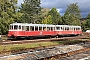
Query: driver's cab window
{"x": 11, "y": 27}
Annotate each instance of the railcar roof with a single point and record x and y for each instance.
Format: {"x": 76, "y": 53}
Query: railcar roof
{"x": 48, "y": 25}
{"x": 26, "y": 24}
{"x": 67, "y": 26}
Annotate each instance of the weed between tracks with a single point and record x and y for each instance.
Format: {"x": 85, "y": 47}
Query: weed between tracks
{"x": 23, "y": 46}
{"x": 34, "y": 45}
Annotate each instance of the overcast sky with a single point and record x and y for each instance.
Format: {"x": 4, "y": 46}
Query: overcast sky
{"x": 61, "y": 5}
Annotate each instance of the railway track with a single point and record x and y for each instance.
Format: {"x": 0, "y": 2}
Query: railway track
{"x": 43, "y": 40}
{"x": 56, "y": 52}
{"x": 84, "y": 36}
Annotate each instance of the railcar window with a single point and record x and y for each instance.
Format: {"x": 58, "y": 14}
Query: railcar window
{"x": 36, "y": 28}
{"x": 61, "y": 28}
{"x": 11, "y": 26}
{"x": 71, "y": 28}
{"x": 31, "y": 28}
{"x": 44, "y": 28}
{"x": 22, "y": 27}
{"x": 58, "y": 28}
{"x": 67, "y": 28}
{"x": 19, "y": 27}
{"x": 40, "y": 28}
{"x": 52, "y": 28}
{"x": 48, "y": 28}
{"x": 74, "y": 28}
{"x": 15, "y": 26}
{"x": 78, "y": 28}
{"x": 27, "y": 28}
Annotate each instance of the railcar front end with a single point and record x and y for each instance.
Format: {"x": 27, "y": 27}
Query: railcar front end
{"x": 15, "y": 30}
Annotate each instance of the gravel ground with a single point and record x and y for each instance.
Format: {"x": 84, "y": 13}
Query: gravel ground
{"x": 80, "y": 56}
{"x": 39, "y": 54}
{"x": 52, "y": 51}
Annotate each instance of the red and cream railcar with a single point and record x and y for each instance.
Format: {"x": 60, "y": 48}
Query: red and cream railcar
{"x": 68, "y": 30}
{"x": 30, "y": 30}
{"x": 23, "y": 30}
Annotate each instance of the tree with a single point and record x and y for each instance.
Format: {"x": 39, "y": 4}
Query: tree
{"x": 7, "y": 14}
{"x": 83, "y": 25}
{"x": 47, "y": 20}
{"x": 56, "y": 18}
{"x": 72, "y": 15}
{"x": 31, "y": 10}
{"x": 44, "y": 13}
{"x": 88, "y": 22}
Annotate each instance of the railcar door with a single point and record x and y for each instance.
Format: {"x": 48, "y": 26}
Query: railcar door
{"x": 58, "y": 30}
{"x": 23, "y": 31}
{"x": 27, "y": 31}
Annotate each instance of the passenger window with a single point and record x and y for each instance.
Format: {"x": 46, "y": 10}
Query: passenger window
{"x": 67, "y": 28}
{"x": 40, "y": 28}
{"x": 36, "y": 28}
{"x": 52, "y": 28}
{"x": 78, "y": 28}
{"x": 27, "y": 28}
{"x": 44, "y": 28}
{"x": 61, "y": 28}
{"x": 31, "y": 28}
{"x": 71, "y": 28}
{"x": 22, "y": 27}
{"x": 48, "y": 28}
{"x": 15, "y": 26}
{"x": 74, "y": 28}
{"x": 19, "y": 27}
{"x": 58, "y": 28}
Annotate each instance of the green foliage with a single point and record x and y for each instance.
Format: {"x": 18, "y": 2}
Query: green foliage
{"x": 31, "y": 10}
{"x": 44, "y": 13}
{"x": 56, "y": 18}
{"x": 7, "y": 12}
{"x": 72, "y": 15}
{"x": 88, "y": 22}
{"x": 47, "y": 20}
{"x": 17, "y": 17}
{"x": 83, "y": 25}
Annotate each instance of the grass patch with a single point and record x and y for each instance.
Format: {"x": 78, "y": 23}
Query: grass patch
{"x": 23, "y": 46}
{"x": 32, "y": 45}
